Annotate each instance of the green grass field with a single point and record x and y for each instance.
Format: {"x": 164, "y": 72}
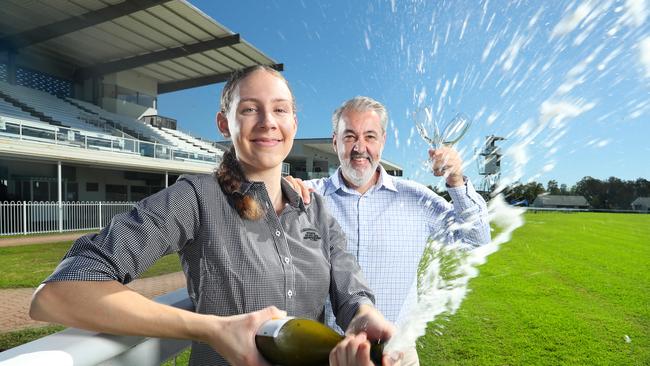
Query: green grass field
{"x": 566, "y": 290}
{"x": 29, "y": 265}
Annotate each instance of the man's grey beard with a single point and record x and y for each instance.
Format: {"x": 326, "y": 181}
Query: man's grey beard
{"x": 356, "y": 177}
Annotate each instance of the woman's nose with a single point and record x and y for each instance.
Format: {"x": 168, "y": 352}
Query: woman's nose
{"x": 267, "y": 119}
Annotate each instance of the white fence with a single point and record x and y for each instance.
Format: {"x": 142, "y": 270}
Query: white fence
{"x": 45, "y": 217}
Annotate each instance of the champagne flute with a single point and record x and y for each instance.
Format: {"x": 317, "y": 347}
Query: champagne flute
{"x": 451, "y": 132}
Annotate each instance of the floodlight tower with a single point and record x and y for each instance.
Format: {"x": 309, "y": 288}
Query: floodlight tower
{"x": 490, "y": 163}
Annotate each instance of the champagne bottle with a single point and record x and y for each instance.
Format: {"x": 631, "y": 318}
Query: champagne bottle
{"x": 298, "y": 342}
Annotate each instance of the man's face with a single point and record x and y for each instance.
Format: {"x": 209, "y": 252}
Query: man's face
{"x": 359, "y": 142}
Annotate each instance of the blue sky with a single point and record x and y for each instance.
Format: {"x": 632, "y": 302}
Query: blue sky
{"x": 567, "y": 85}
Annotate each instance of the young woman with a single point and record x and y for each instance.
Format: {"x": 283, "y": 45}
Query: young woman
{"x": 247, "y": 243}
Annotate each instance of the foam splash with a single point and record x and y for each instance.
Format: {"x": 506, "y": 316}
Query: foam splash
{"x": 443, "y": 281}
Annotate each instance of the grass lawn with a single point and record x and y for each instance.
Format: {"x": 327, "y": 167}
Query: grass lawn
{"x": 13, "y": 339}
{"x": 566, "y": 290}
{"x": 28, "y": 265}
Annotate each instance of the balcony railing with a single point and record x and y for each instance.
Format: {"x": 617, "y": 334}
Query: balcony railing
{"x": 83, "y": 348}
{"x": 34, "y": 131}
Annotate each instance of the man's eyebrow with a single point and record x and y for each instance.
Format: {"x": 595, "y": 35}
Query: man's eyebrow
{"x": 368, "y": 132}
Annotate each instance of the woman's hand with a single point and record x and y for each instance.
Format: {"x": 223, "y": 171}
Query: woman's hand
{"x": 234, "y": 336}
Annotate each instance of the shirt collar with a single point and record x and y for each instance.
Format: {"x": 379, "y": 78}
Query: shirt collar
{"x": 295, "y": 200}
{"x": 386, "y": 180}
{"x": 336, "y": 182}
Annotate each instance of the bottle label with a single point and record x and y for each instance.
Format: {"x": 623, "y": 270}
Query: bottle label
{"x": 272, "y": 327}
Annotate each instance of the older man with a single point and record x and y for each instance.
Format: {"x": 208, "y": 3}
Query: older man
{"x": 388, "y": 220}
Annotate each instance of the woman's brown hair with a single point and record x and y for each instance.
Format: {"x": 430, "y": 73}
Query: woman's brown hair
{"x": 229, "y": 173}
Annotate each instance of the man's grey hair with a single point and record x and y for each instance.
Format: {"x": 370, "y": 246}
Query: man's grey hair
{"x": 360, "y": 104}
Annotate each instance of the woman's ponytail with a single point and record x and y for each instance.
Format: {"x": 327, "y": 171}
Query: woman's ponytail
{"x": 230, "y": 177}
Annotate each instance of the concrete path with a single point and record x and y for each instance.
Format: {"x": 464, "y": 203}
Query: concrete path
{"x": 14, "y": 303}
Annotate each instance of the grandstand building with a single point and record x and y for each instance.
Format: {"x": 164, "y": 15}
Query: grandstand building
{"x": 79, "y": 82}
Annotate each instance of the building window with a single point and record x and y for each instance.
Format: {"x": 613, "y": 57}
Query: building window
{"x": 139, "y": 192}
{"x": 116, "y": 192}
{"x": 92, "y": 187}
{"x": 128, "y": 95}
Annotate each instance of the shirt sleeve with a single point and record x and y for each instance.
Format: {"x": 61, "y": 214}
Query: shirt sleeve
{"x": 158, "y": 225}
{"x": 467, "y": 223}
{"x": 348, "y": 287}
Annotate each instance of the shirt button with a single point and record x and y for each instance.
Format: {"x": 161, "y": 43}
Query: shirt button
{"x": 277, "y": 233}
{"x": 289, "y": 293}
{"x": 286, "y": 260}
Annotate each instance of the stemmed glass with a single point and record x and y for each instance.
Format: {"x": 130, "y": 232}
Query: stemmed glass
{"x": 451, "y": 132}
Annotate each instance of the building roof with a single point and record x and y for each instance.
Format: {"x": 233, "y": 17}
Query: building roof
{"x": 170, "y": 41}
{"x": 641, "y": 201}
{"x": 559, "y": 200}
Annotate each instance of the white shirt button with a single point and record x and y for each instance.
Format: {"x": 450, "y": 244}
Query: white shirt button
{"x": 277, "y": 233}
{"x": 286, "y": 260}
{"x": 289, "y": 293}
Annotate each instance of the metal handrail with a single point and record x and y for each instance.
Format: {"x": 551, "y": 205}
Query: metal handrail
{"x": 84, "y": 348}
{"x": 24, "y": 130}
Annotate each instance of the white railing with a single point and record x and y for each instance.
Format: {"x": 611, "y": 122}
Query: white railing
{"x": 36, "y": 131}
{"x": 45, "y": 217}
{"x": 84, "y": 348}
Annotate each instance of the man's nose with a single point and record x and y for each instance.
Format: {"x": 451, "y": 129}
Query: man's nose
{"x": 359, "y": 146}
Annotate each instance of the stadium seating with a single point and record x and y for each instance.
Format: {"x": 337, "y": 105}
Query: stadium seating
{"x": 190, "y": 143}
{"x": 9, "y": 110}
{"x": 53, "y": 110}
{"x": 130, "y": 126}
{"x": 76, "y": 122}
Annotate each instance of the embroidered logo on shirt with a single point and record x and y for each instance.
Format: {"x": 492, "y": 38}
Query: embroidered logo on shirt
{"x": 311, "y": 234}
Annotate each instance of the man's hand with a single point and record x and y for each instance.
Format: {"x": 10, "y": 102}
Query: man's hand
{"x": 446, "y": 162}
{"x": 234, "y": 336}
{"x": 300, "y": 187}
{"x": 366, "y": 326}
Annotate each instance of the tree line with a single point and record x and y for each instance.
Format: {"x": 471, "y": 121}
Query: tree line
{"x": 613, "y": 193}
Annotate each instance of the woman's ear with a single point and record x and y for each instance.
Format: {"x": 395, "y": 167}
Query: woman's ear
{"x": 222, "y": 124}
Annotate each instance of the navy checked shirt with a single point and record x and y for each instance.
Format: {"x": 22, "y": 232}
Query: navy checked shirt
{"x": 388, "y": 228}
{"x": 294, "y": 261}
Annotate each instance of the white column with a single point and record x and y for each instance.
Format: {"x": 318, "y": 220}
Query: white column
{"x": 59, "y": 183}
{"x": 166, "y": 179}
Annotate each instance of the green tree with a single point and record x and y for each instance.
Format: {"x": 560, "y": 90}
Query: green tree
{"x": 564, "y": 190}
{"x": 532, "y": 190}
{"x": 594, "y": 190}
{"x": 552, "y": 187}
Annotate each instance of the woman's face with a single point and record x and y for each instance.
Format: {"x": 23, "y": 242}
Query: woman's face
{"x": 261, "y": 121}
